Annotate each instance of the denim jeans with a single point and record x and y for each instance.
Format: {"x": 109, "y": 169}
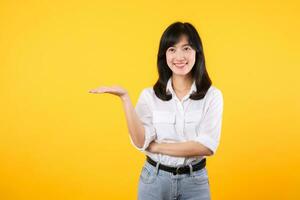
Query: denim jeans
{"x": 157, "y": 184}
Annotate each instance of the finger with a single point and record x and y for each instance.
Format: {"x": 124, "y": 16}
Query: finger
{"x": 102, "y": 89}
{"x": 95, "y": 91}
{"x": 98, "y": 90}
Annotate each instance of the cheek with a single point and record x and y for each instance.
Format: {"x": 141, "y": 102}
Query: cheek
{"x": 169, "y": 59}
{"x": 192, "y": 58}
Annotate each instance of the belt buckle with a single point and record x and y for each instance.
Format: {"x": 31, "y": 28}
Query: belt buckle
{"x": 178, "y": 167}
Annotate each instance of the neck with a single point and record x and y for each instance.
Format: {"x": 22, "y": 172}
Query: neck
{"x": 181, "y": 83}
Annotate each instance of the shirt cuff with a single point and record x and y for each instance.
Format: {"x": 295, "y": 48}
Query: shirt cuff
{"x": 149, "y": 137}
{"x": 207, "y": 142}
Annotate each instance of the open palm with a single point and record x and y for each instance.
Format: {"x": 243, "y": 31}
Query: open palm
{"x": 115, "y": 90}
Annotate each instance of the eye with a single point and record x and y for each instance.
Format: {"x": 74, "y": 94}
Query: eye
{"x": 187, "y": 48}
{"x": 171, "y": 49}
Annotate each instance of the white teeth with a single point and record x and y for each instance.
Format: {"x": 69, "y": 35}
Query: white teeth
{"x": 180, "y": 65}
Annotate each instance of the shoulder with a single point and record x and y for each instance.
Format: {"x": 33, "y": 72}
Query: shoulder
{"x": 146, "y": 93}
{"x": 214, "y": 90}
{"x": 214, "y": 94}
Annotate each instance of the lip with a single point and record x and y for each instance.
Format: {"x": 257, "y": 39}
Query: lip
{"x": 180, "y": 65}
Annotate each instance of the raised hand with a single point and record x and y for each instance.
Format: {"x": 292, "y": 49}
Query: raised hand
{"x": 115, "y": 90}
{"x": 135, "y": 126}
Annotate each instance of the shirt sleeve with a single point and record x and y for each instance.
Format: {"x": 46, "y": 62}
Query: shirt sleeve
{"x": 209, "y": 131}
{"x": 145, "y": 115}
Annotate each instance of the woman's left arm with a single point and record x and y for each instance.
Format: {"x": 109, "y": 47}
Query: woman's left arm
{"x": 181, "y": 149}
{"x": 207, "y": 139}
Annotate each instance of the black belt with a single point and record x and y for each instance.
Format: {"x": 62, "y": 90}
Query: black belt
{"x": 180, "y": 169}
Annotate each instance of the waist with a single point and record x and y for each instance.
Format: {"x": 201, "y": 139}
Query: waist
{"x": 173, "y": 160}
{"x": 183, "y": 169}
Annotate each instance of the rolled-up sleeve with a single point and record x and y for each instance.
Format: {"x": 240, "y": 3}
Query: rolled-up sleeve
{"x": 145, "y": 115}
{"x": 209, "y": 131}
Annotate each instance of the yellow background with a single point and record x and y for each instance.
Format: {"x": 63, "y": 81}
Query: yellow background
{"x": 57, "y": 141}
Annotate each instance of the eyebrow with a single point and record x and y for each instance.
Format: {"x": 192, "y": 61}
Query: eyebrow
{"x": 183, "y": 45}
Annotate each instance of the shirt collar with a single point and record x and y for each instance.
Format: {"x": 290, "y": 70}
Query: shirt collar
{"x": 170, "y": 88}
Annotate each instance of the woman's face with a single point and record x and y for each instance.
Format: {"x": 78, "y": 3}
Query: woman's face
{"x": 181, "y": 57}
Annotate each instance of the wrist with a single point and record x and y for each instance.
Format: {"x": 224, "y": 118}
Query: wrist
{"x": 125, "y": 97}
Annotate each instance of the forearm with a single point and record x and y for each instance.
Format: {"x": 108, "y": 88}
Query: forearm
{"x": 181, "y": 149}
{"x": 135, "y": 126}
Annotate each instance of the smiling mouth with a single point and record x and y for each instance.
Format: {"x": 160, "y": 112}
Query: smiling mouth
{"x": 180, "y": 65}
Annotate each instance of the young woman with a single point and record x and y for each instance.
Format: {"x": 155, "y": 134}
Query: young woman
{"x": 177, "y": 122}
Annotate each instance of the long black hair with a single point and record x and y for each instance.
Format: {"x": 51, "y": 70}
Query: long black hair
{"x": 170, "y": 37}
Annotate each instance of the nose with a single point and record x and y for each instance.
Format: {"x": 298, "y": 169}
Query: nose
{"x": 179, "y": 56}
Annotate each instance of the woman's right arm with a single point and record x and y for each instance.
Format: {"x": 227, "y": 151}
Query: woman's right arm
{"x": 139, "y": 135}
{"x": 135, "y": 126}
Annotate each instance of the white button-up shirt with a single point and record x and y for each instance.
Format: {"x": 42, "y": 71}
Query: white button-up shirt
{"x": 178, "y": 121}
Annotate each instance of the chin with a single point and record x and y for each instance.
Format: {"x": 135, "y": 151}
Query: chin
{"x": 181, "y": 73}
